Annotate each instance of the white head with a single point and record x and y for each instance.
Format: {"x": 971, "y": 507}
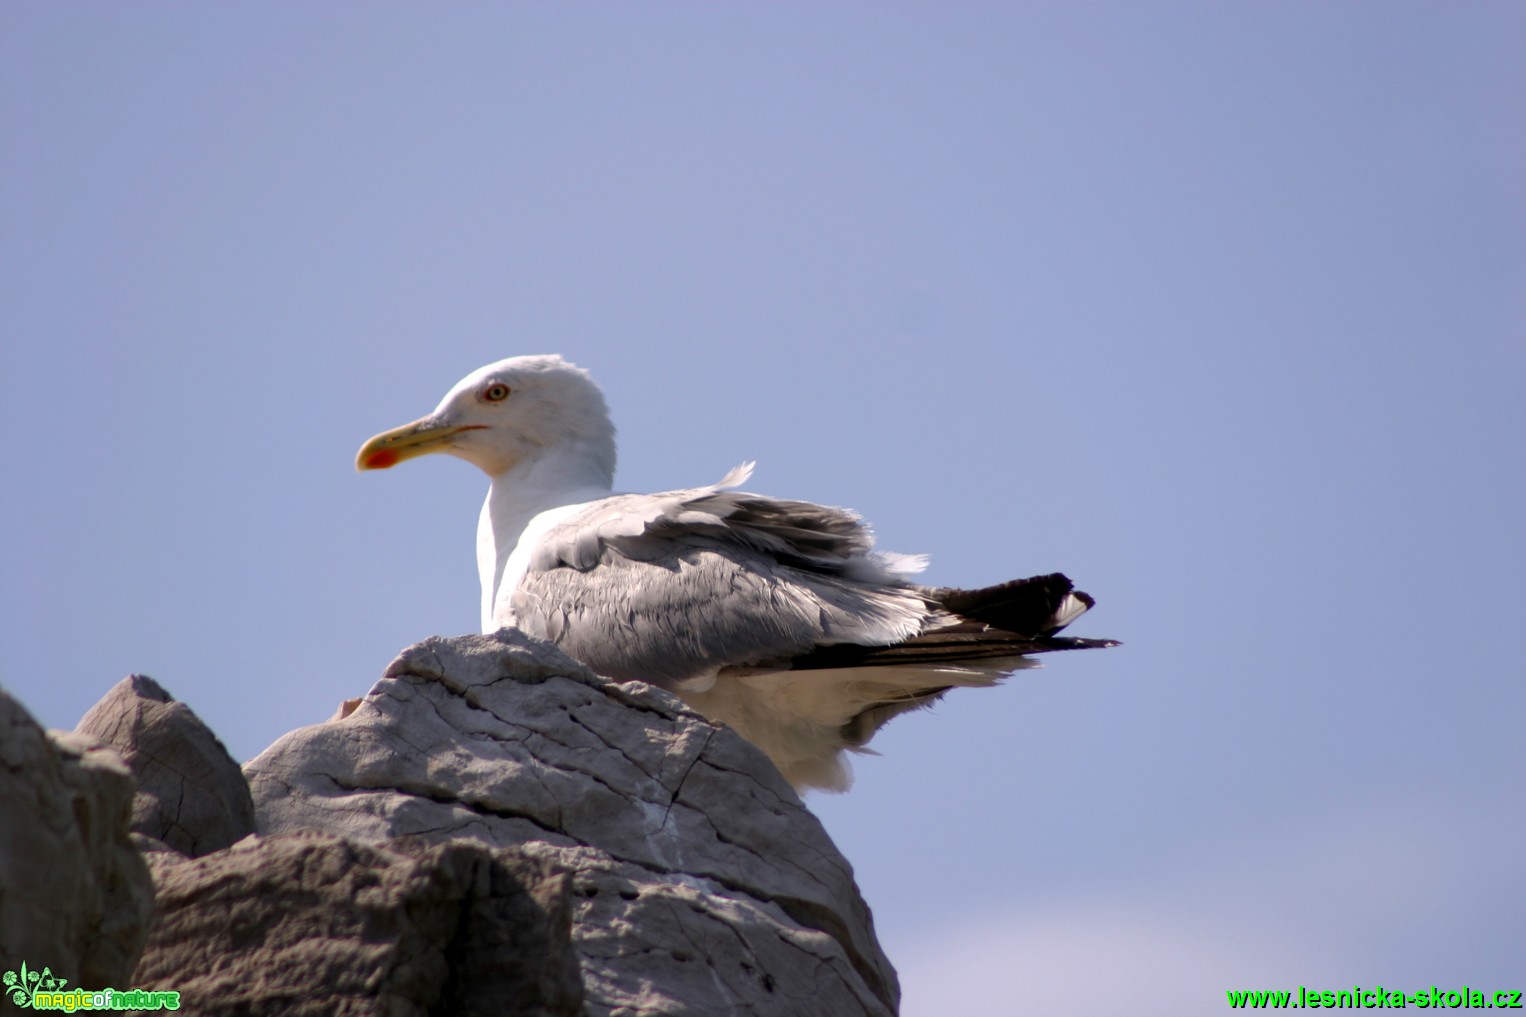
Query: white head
{"x": 509, "y": 414}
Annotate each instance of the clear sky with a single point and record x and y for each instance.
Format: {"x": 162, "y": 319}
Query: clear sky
{"x": 1217, "y": 307}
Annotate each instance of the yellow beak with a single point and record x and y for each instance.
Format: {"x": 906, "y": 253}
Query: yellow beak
{"x": 421, "y": 437}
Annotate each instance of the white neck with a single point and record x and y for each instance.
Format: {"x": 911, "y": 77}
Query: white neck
{"x": 569, "y": 474}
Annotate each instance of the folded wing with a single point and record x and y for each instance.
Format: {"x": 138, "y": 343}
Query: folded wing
{"x": 672, "y": 588}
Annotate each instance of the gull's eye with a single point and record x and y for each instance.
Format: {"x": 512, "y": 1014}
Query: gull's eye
{"x": 497, "y": 392}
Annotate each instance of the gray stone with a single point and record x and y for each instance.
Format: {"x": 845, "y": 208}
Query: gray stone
{"x": 75, "y": 896}
{"x": 191, "y": 794}
{"x": 313, "y": 924}
{"x": 701, "y": 883}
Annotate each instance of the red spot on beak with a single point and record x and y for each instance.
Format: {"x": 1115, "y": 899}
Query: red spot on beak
{"x": 381, "y": 459}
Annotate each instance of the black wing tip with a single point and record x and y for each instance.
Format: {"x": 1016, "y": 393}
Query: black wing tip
{"x": 1035, "y": 606}
{"x": 944, "y": 647}
{"x": 1077, "y": 643}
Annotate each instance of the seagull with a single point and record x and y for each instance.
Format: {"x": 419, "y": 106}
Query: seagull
{"x": 778, "y": 618}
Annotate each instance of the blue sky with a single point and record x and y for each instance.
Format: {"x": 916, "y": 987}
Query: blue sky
{"x": 1215, "y": 307}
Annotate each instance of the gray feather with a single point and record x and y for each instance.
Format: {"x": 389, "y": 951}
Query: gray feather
{"x": 676, "y": 586}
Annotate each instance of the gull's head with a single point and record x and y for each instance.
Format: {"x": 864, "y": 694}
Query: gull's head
{"x": 505, "y": 414}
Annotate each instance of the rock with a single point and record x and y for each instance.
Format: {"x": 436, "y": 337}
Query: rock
{"x": 310, "y": 923}
{"x": 700, "y": 883}
{"x": 75, "y": 896}
{"x": 491, "y": 830}
{"x": 191, "y": 795}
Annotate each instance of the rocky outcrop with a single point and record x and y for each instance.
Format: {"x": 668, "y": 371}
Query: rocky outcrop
{"x": 190, "y": 793}
{"x": 492, "y": 829}
{"x": 75, "y": 896}
{"x": 702, "y": 883}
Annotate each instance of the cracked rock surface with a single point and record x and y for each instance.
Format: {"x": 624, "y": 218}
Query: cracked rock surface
{"x": 75, "y": 896}
{"x": 695, "y": 881}
{"x": 190, "y": 793}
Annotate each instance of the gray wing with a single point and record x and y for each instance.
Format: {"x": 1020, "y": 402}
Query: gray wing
{"x": 673, "y": 587}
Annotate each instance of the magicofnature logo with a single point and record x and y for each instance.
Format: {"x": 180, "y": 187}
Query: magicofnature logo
{"x": 43, "y": 990}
